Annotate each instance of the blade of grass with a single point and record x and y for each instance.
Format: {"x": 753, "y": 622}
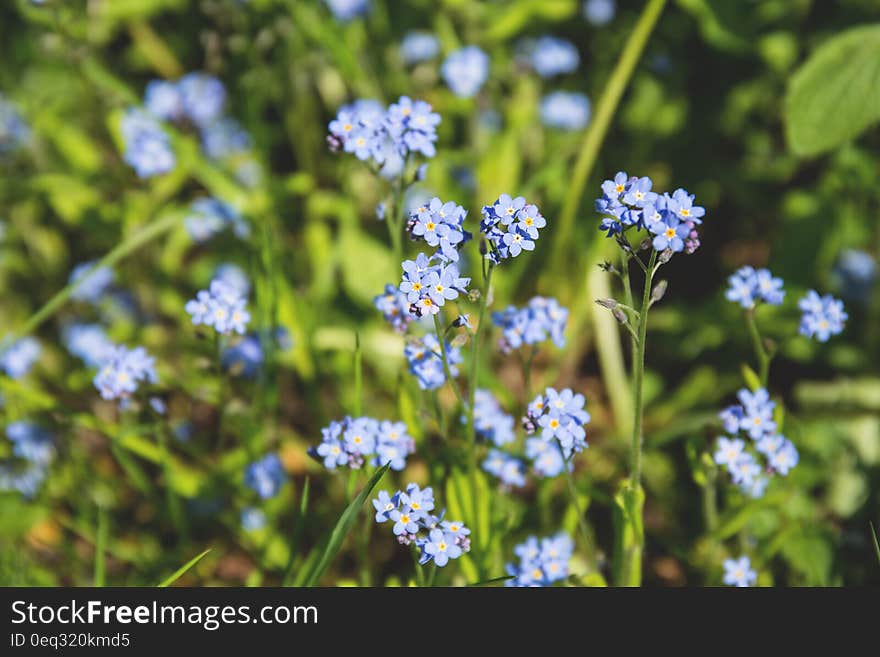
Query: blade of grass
{"x": 358, "y": 375}
{"x": 180, "y": 571}
{"x": 494, "y": 580}
{"x": 876, "y": 543}
{"x": 297, "y": 533}
{"x": 100, "y": 548}
{"x": 343, "y": 526}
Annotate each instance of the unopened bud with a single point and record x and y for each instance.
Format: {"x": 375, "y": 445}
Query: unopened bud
{"x": 484, "y": 249}
{"x": 658, "y": 291}
{"x": 607, "y": 266}
{"x": 623, "y": 243}
{"x": 459, "y": 340}
{"x": 645, "y": 245}
{"x": 620, "y": 316}
{"x": 611, "y": 304}
{"x": 665, "y": 257}
{"x": 474, "y": 295}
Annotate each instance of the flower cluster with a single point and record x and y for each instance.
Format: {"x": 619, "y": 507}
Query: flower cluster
{"x": 738, "y": 572}
{"x": 560, "y": 416}
{"x": 90, "y": 285}
{"x": 429, "y": 282}
{"x": 88, "y": 342}
{"x": 748, "y": 286}
{"x": 823, "y": 316}
{"x": 753, "y": 416}
{"x": 541, "y": 561}
{"x": 394, "y": 306}
{"x": 266, "y": 476}
{"x": 14, "y": 132}
{"x": 541, "y": 319}
{"x": 208, "y": 216}
{"x": 147, "y": 147}
{"x": 33, "y": 449}
{"x": 565, "y": 110}
{"x": 490, "y": 421}
{"x": 386, "y": 137}
{"x": 511, "y": 227}
{"x": 426, "y": 361}
{"x": 465, "y": 71}
{"x": 221, "y": 307}
{"x": 354, "y": 441}
{"x": 440, "y": 225}
{"x": 17, "y": 358}
{"x": 122, "y": 370}
{"x": 409, "y": 510}
{"x": 196, "y": 97}
{"x": 629, "y": 202}
{"x": 419, "y": 47}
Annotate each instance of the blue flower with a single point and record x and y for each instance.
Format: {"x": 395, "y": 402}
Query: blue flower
{"x": 560, "y": 416}
{"x": 553, "y": 56}
{"x": 491, "y": 423}
{"x": 385, "y": 504}
{"x": 14, "y": 132}
{"x": 465, "y": 71}
{"x": 202, "y": 97}
{"x": 429, "y": 286}
{"x": 147, "y": 147}
{"x": 233, "y": 276}
{"x": 332, "y": 450}
{"x": 738, "y": 572}
{"x": 220, "y": 307}
{"x": 252, "y": 519}
{"x": 393, "y": 444}
{"x": 565, "y": 110}
{"x": 541, "y": 563}
{"x": 245, "y": 357}
{"x": 639, "y": 194}
{"x": 31, "y": 442}
{"x": 346, "y": 10}
{"x": 748, "y": 286}
{"x": 394, "y": 306}
{"x": 784, "y": 458}
{"x": 223, "y": 138}
{"x": 744, "y": 470}
{"x": 599, "y": 12}
{"x": 88, "y": 342}
{"x": 510, "y": 470}
{"x": 123, "y": 370}
{"x": 547, "y": 458}
{"x": 822, "y": 316}
{"x": 541, "y": 319}
{"x": 90, "y": 286}
{"x": 426, "y": 363}
{"x": 418, "y": 47}
{"x": 17, "y": 358}
{"x": 208, "y": 216}
{"x": 439, "y": 224}
{"x": 404, "y": 521}
{"x": 163, "y": 99}
{"x": 266, "y": 476}
{"x": 729, "y": 451}
{"x": 418, "y": 501}
{"x": 855, "y": 273}
{"x": 757, "y": 417}
{"x": 359, "y": 436}
{"x": 441, "y": 547}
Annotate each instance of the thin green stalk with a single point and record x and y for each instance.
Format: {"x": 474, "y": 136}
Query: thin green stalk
{"x": 639, "y": 374}
{"x": 527, "y": 375}
{"x": 760, "y": 352}
{"x": 432, "y": 575}
{"x": 123, "y": 249}
{"x": 101, "y": 539}
{"x": 358, "y": 375}
{"x": 445, "y": 357}
{"x": 393, "y": 217}
{"x": 582, "y": 523}
{"x": 606, "y": 109}
{"x": 475, "y": 352}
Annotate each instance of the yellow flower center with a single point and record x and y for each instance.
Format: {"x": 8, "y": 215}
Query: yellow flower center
{"x": 618, "y": 188}
{"x": 670, "y": 233}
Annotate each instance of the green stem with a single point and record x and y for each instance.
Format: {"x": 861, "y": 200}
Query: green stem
{"x": 101, "y": 538}
{"x": 760, "y": 352}
{"x": 123, "y": 249}
{"x": 606, "y": 109}
{"x": 475, "y": 353}
{"x": 432, "y": 575}
{"x": 445, "y": 357}
{"x": 582, "y": 522}
{"x": 393, "y": 217}
{"x": 639, "y": 375}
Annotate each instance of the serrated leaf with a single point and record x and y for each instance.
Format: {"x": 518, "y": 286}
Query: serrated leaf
{"x": 835, "y": 95}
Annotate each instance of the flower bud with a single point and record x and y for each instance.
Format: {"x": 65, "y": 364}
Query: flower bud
{"x": 658, "y": 291}
{"x": 611, "y": 304}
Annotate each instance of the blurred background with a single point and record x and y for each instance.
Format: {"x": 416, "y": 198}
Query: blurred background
{"x": 705, "y": 109}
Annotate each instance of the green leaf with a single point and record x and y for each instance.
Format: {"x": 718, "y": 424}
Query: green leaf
{"x": 343, "y": 527}
{"x": 493, "y": 580}
{"x": 180, "y": 571}
{"x": 297, "y": 532}
{"x": 753, "y": 381}
{"x": 835, "y": 95}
